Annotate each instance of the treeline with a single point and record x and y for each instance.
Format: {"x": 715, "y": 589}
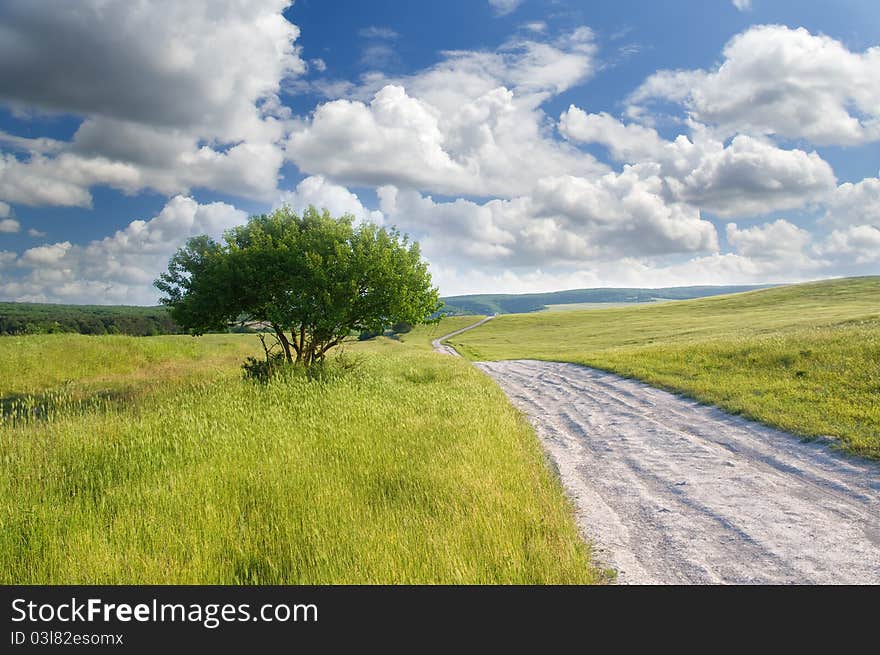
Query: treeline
{"x": 37, "y": 318}
{"x": 488, "y": 304}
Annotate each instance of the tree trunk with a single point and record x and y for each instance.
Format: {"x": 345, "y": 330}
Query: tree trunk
{"x": 285, "y": 344}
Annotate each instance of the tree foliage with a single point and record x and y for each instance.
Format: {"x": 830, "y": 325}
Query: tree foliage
{"x": 38, "y": 318}
{"x": 312, "y": 279}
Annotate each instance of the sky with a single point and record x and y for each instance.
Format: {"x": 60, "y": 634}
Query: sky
{"x": 528, "y": 145}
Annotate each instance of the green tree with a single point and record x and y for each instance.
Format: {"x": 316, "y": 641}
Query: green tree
{"x": 312, "y": 279}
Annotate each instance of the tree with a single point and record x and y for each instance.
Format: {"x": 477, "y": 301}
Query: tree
{"x": 312, "y": 279}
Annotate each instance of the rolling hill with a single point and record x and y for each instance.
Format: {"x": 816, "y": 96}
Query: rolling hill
{"x": 488, "y": 304}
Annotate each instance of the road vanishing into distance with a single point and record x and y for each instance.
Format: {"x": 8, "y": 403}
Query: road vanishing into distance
{"x": 441, "y": 347}
{"x": 670, "y": 491}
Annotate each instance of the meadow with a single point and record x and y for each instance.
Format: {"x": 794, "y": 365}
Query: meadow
{"x": 152, "y": 460}
{"x": 804, "y": 358}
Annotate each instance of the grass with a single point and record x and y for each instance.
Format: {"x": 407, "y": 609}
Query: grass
{"x": 804, "y": 358}
{"x": 411, "y": 469}
{"x": 579, "y": 306}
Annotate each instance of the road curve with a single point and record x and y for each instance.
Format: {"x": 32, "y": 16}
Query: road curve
{"x": 440, "y": 347}
{"x": 674, "y": 492}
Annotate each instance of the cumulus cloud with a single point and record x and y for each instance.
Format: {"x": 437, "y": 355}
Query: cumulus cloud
{"x": 148, "y": 63}
{"x": 630, "y": 143}
{"x": 566, "y": 220}
{"x": 750, "y": 177}
{"x": 322, "y": 194}
{"x": 49, "y": 255}
{"x": 775, "y": 80}
{"x": 470, "y": 125}
{"x": 747, "y": 177}
{"x": 119, "y": 268}
{"x": 626, "y": 214}
{"x": 5, "y": 210}
{"x": 9, "y": 225}
{"x": 854, "y": 204}
{"x": 774, "y": 240}
{"x": 743, "y": 5}
{"x": 174, "y": 96}
{"x": 460, "y": 230}
{"x": 860, "y": 244}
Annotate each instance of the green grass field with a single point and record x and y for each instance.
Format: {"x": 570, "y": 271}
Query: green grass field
{"x": 151, "y": 460}
{"x": 804, "y": 358}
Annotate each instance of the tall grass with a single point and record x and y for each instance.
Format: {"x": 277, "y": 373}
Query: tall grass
{"x": 35, "y": 363}
{"x": 804, "y": 358}
{"x": 411, "y": 469}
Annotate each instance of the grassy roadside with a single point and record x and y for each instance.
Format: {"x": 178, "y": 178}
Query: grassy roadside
{"x": 804, "y": 358}
{"x": 411, "y": 469}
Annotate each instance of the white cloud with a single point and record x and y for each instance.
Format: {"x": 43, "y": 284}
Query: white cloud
{"x": 777, "y": 240}
{"x": 504, "y": 7}
{"x": 626, "y": 214}
{"x": 566, "y": 220}
{"x": 9, "y": 225}
{"x": 859, "y": 243}
{"x": 750, "y": 177}
{"x": 6, "y": 258}
{"x": 49, "y": 255}
{"x": 5, "y": 210}
{"x": 174, "y": 95}
{"x": 745, "y": 178}
{"x": 854, "y": 204}
{"x": 779, "y": 81}
{"x": 743, "y": 5}
{"x": 35, "y": 233}
{"x": 41, "y": 181}
{"x": 396, "y": 138}
{"x": 322, "y": 194}
{"x": 630, "y": 143}
{"x": 318, "y": 64}
{"x": 460, "y": 230}
{"x": 148, "y": 63}
{"x": 119, "y": 268}
{"x": 469, "y": 125}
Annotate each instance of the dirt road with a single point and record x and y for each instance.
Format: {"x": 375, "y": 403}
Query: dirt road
{"x": 671, "y": 491}
{"x": 440, "y": 347}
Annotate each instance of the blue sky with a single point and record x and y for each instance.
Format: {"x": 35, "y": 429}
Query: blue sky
{"x": 532, "y": 145}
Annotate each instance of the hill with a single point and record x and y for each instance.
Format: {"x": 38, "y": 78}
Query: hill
{"x": 488, "y": 304}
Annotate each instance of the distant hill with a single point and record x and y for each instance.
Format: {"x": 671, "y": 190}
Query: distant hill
{"x": 487, "y": 304}
{"x": 39, "y": 318}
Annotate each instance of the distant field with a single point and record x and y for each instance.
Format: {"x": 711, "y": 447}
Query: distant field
{"x": 805, "y": 358}
{"x": 575, "y": 307}
{"x": 152, "y": 461}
